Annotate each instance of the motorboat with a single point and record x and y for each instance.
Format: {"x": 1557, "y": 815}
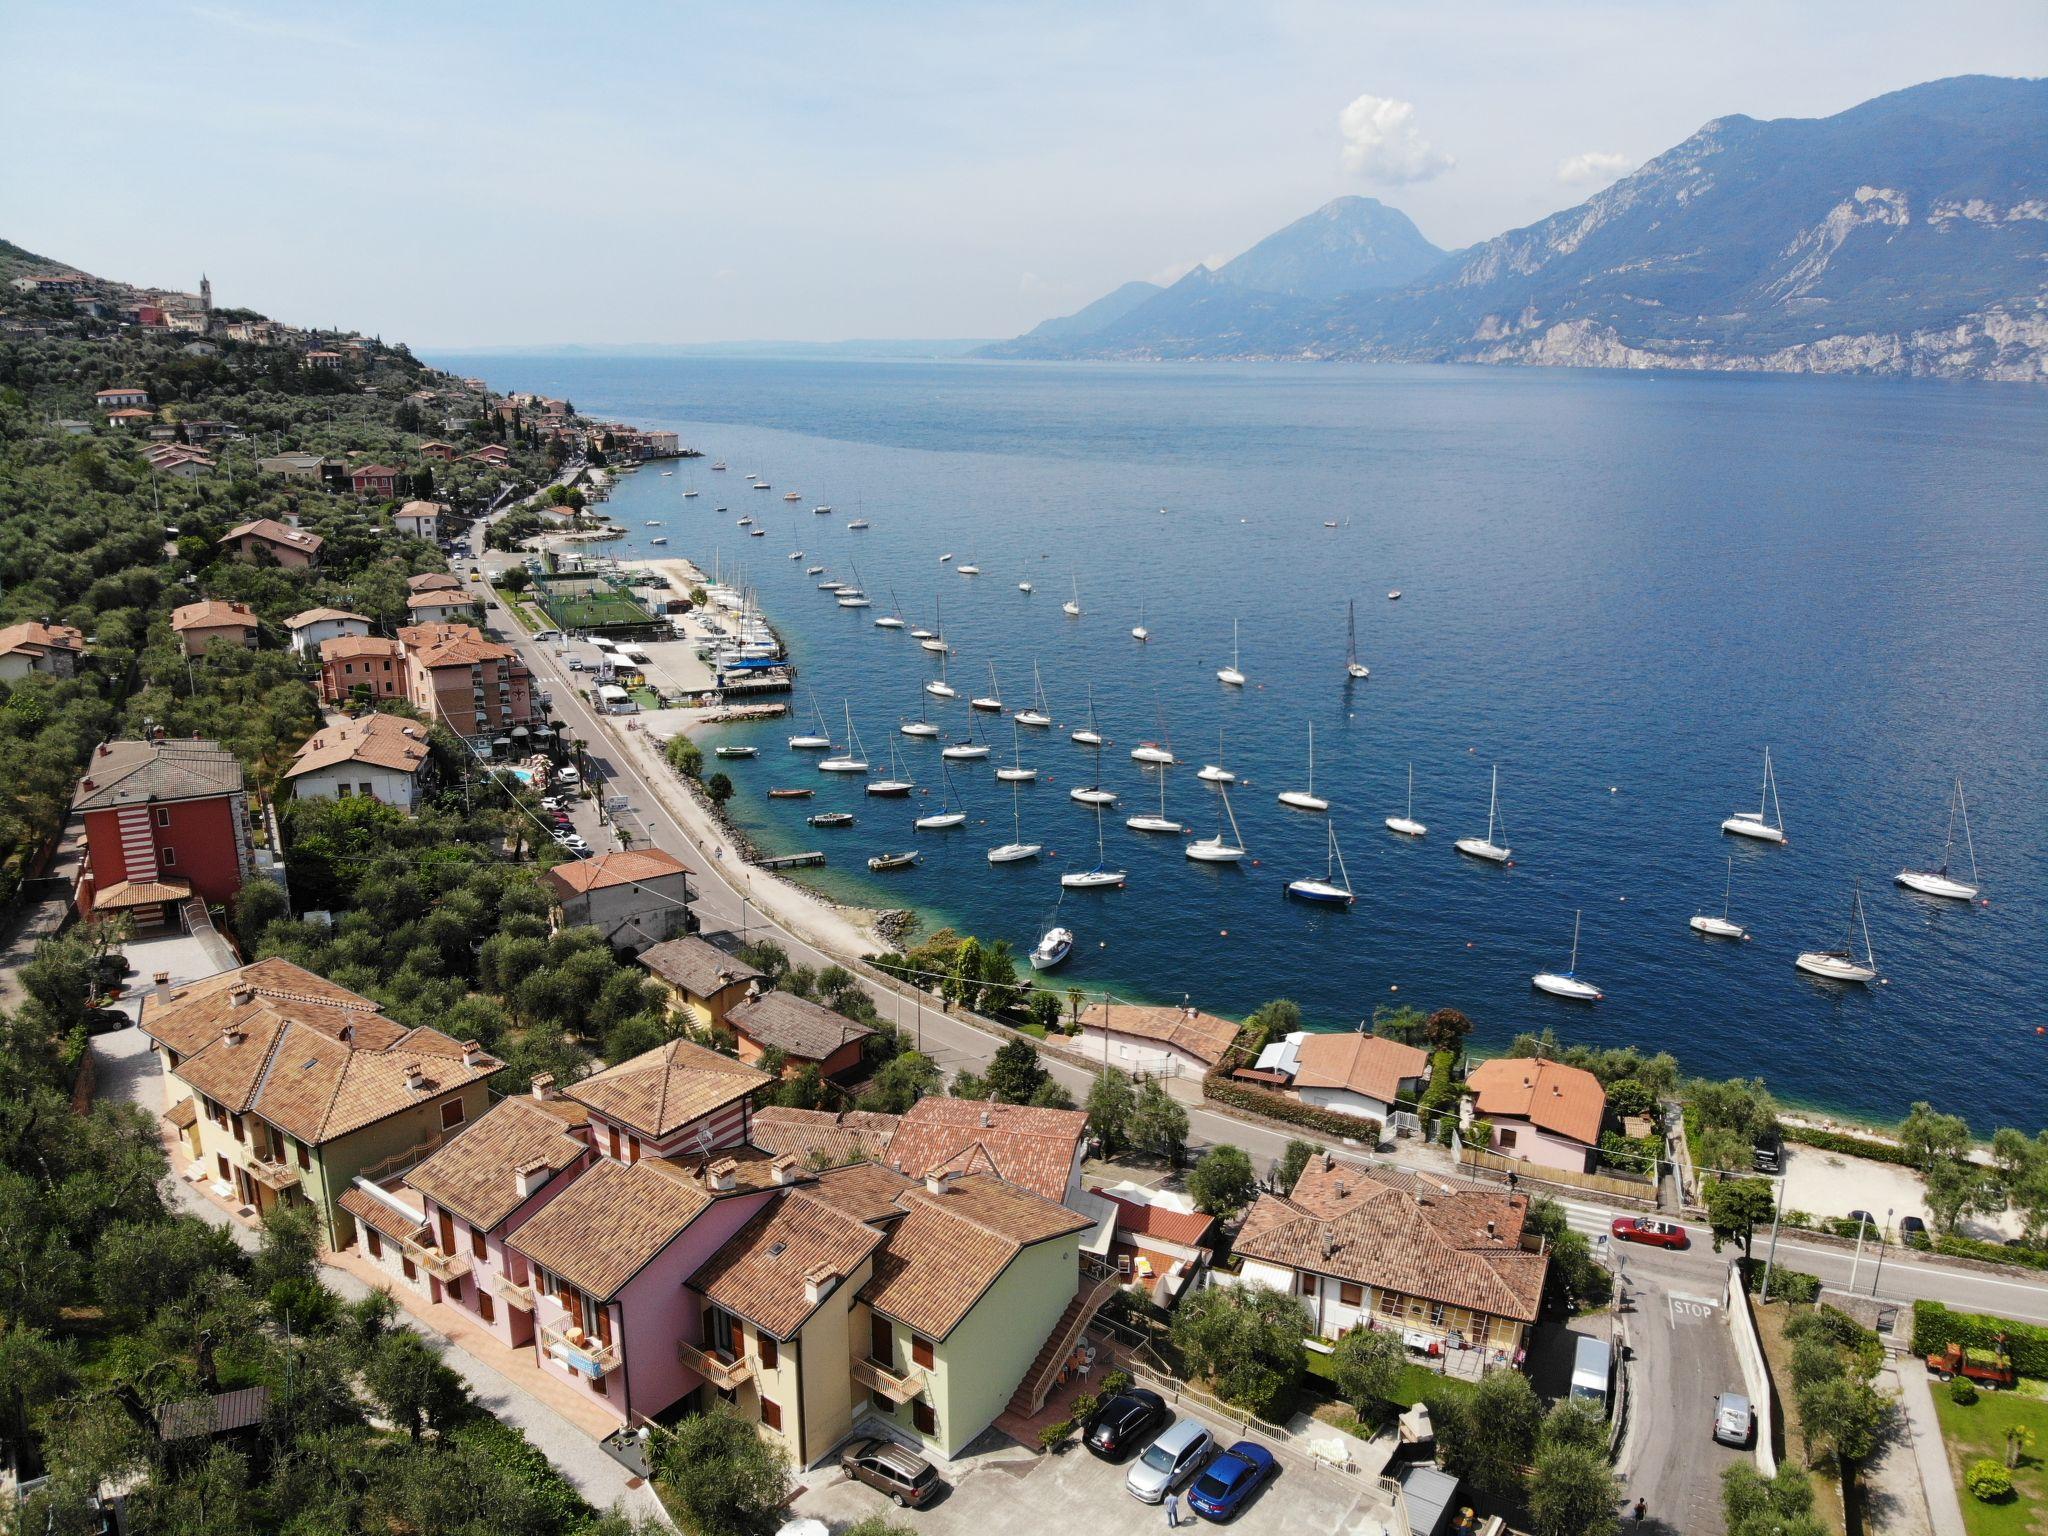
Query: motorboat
{"x": 1306, "y": 799}
{"x": 688, "y": 495}
{"x": 796, "y": 554}
{"x": 791, "y": 496}
{"x": 1334, "y": 889}
{"x": 657, "y": 542}
{"x": 1394, "y": 596}
{"x": 746, "y": 522}
{"x": 1053, "y": 946}
{"x": 1722, "y": 927}
{"x": 731, "y": 752}
{"x": 831, "y": 819}
{"x": 1841, "y": 964}
{"x": 1485, "y": 847}
{"x": 757, "y": 533}
{"x": 887, "y": 861}
{"x": 1939, "y": 882}
{"x": 1566, "y": 983}
{"x": 1219, "y": 849}
{"x": 790, "y": 794}
{"x": 1232, "y": 676}
{"x": 1766, "y": 824}
{"x": 1025, "y": 586}
{"x": 855, "y": 526}
{"x": 968, "y": 570}
{"x": 1405, "y": 823}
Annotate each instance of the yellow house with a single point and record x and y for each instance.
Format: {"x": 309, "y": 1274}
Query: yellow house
{"x": 702, "y": 980}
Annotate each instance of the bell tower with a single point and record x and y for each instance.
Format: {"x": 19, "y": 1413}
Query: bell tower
{"x": 206, "y": 301}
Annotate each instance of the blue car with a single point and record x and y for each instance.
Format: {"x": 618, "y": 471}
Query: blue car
{"x": 1220, "y": 1492}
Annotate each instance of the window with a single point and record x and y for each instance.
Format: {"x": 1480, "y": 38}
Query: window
{"x": 924, "y": 1416}
{"x": 771, "y": 1413}
{"x": 719, "y": 1331}
{"x": 226, "y": 1169}
{"x": 921, "y": 1351}
{"x": 1503, "y": 1136}
{"x": 632, "y": 1149}
{"x": 304, "y": 1154}
{"x": 615, "y": 1143}
{"x": 170, "y": 857}
{"x": 1308, "y": 1284}
{"x": 406, "y": 1263}
{"x": 373, "y": 1242}
{"x": 881, "y": 1341}
{"x": 477, "y": 1245}
{"x": 342, "y": 792}
{"x": 163, "y": 816}
{"x": 485, "y": 1307}
{"x": 451, "y": 1114}
{"x": 1436, "y": 1313}
{"x": 241, "y": 1129}
{"x": 1350, "y": 1295}
{"x": 770, "y": 1352}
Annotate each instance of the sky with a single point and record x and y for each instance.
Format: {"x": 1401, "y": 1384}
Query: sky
{"x": 469, "y": 176}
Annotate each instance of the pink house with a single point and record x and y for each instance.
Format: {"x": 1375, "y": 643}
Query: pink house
{"x": 1542, "y": 1111}
{"x": 678, "y": 1100}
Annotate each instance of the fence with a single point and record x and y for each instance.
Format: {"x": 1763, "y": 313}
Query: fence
{"x": 1756, "y": 1376}
{"x": 1635, "y": 1192}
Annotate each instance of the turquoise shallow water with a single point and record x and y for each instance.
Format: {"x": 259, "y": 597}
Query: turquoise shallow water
{"x": 1618, "y": 587}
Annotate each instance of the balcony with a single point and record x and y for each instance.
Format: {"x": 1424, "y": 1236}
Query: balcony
{"x": 578, "y": 1351}
{"x": 877, "y": 1377}
{"x": 723, "y": 1373}
{"x": 273, "y": 1173}
{"x": 519, "y": 1297}
{"x": 445, "y": 1267}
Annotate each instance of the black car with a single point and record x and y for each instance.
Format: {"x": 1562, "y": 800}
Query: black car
{"x": 906, "y": 1478}
{"x": 1125, "y": 1422}
{"x": 1913, "y": 1231}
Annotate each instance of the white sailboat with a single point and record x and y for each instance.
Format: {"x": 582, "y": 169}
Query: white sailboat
{"x": 938, "y": 687}
{"x": 939, "y": 820}
{"x": 1306, "y": 799}
{"x": 1072, "y": 606}
{"x": 1158, "y": 752}
{"x": 1566, "y": 983}
{"x": 897, "y": 783}
{"x": 1722, "y": 927}
{"x": 1025, "y": 586}
{"x": 1093, "y": 794}
{"x": 1016, "y": 773}
{"x": 1101, "y": 875}
{"x": 935, "y": 640}
{"x": 1016, "y": 849}
{"x": 992, "y": 701}
{"x": 1216, "y": 773}
{"x": 1230, "y": 674}
{"x": 1139, "y": 632}
{"x": 1939, "y": 882}
{"x": 1405, "y": 823}
{"x": 1352, "y": 666}
{"x": 818, "y": 740}
{"x": 1088, "y": 735}
{"x": 969, "y": 750}
{"x": 1485, "y": 847}
{"x": 1766, "y": 823}
{"x": 1842, "y": 964}
{"x": 1219, "y": 849}
{"x": 893, "y": 619}
{"x": 853, "y": 760}
{"x": 1160, "y": 823}
{"x": 1037, "y": 714}
{"x": 1334, "y": 889}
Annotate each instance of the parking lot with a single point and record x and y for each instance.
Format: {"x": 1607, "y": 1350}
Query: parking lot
{"x": 1012, "y": 1490}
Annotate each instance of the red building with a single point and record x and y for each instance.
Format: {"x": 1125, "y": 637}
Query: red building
{"x": 164, "y": 821}
{"x": 377, "y": 480}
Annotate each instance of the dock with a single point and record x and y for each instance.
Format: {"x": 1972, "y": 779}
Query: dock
{"x": 792, "y": 861}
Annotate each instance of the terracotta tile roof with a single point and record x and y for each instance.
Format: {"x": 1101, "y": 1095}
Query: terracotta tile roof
{"x": 315, "y": 615}
{"x": 819, "y": 1135}
{"x": 382, "y": 741}
{"x": 437, "y": 600}
{"x": 1404, "y": 1233}
{"x": 372, "y": 1212}
{"x": 476, "y": 1175}
{"x": 864, "y": 1191}
{"x": 611, "y": 869}
{"x": 1201, "y": 1035}
{"x": 368, "y": 471}
{"x": 183, "y": 1114}
{"x": 950, "y": 1248}
{"x": 135, "y": 772}
{"x": 1032, "y": 1148}
{"x": 607, "y": 1226}
{"x": 699, "y": 968}
{"x": 761, "y": 1272}
{"x": 358, "y": 647}
{"x": 123, "y": 894}
{"x": 663, "y": 1090}
{"x": 220, "y": 1414}
{"x": 796, "y": 1026}
{"x": 434, "y": 581}
{"x": 1162, "y": 1221}
{"x": 271, "y": 531}
{"x": 40, "y": 639}
{"x": 452, "y": 645}
{"x": 1566, "y": 1100}
{"x": 212, "y": 613}
{"x": 1367, "y": 1064}
{"x": 423, "y": 508}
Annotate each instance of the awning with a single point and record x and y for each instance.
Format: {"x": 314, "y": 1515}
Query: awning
{"x": 183, "y": 1114}
{"x": 520, "y": 730}
{"x": 140, "y": 893}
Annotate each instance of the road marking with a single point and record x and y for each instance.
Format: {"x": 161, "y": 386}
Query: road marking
{"x": 1691, "y": 1309}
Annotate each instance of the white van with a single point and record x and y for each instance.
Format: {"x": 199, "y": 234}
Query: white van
{"x": 1593, "y": 1370}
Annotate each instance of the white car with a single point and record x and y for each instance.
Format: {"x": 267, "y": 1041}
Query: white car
{"x": 568, "y": 776}
{"x": 1169, "y": 1461}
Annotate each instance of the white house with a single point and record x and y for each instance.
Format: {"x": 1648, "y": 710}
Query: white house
{"x": 380, "y": 757}
{"x": 439, "y": 607}
{"x": 1351, "y": 1074}
{"x": 316, "y": 625}
{"x": 421, "y": 519}
{"x": 1169, "y": 1042}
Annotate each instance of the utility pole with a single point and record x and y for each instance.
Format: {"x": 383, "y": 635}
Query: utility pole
{"x": 1771, "y": 1257}
{"x": 1878, "y": 1274}
{"x": 1862, "y": 1222}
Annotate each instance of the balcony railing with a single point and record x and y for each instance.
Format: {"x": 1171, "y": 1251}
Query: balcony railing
{"x": 584, "y": 1354}
{"x": 444, "y": 1267}
{"x": 723, "y": 1373}
{"x": 877, "y": 1377}
{"x": 519, "y": 1296}
{"x": 273, "y": 1173}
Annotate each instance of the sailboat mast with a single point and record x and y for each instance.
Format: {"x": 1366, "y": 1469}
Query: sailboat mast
{"x": 1311, "y": 757}
{"x": 1968, "y": 842}
{"x": 1572, "y": 970}
{"x": 1492, "y": 800}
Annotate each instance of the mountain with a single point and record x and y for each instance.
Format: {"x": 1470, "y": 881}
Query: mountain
{"x": 1351, "y": 245}
{"x": 1907, "y": 235}
{"x": 1105, "y": 311}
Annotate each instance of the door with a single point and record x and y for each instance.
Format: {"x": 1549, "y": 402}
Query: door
{"x": 447, "y": 1233}
{"x": 881, "y": 1340}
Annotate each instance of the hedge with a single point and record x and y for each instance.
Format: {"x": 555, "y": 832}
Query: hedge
{"x": 1853, "y": 1146}
{"x": 1935, "y": 1327}
{"x": 1993, "y": 1253}
{"x": 1278, "y": 1106}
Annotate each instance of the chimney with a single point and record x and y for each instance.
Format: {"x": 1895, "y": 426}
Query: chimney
{"x": 1329, "y": 1244}
{"x": 988, "y": 1118}
{"x": 530, "y": 1175}
{"x": 233, "y": 1034}
{"x": 543, "y": 1085}
{"x": 106, "y": 750}
{"x": 1329, "y": 1160}
{"x": 415, "y": 1078}
{"x": 1343, "y": 1188}
{"x": 162, "y": 982}
{"x": 348, "y": 1036}
{"x": 784, "y": 1168}
{"x": 1491, "y": 1233}
{"x": 472, "y": 1053}
{"x": 86, "y": 782}
{"x": 723, "y": 1173}
{"x": 936, "y": 1183}
{"x": 815, "y": 1282}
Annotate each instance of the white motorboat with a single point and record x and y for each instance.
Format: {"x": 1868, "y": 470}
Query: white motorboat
{"x": 820, "y": 510}
{"x": 1053, "y": 946}
{"x": 992, "y": 701}
{"x": 856, "y": 526}
{"x": 1939, "y": 882}
{"x": 796, "y": 554}
{"x": 793, "y": 496}
{"x": 1722, "y": 927}
{"x": 1334, "y": 889}
{"x": 1405, "y": 823}
{"x": 1219, "y": 849}
{"x": 731, "y": 752}
{"x": 818, "y": 740}
{"x": 947, "y": 556}
{"x": 758, "y": 533}
{"x": 968, "y": 570}
{"x": 1231, "y": 675}
{"x": 1101, "y": 876}
{"x": 1160, "y": 823}
{"x": 886, "y": 861}
{"x": 657, "y": 541}
{"x": 1216, "y": 773}
{"x": 1088, "y": 735}
{"x": 812, "y": 570}
{"x": 1566, "y": 983}
{"x": 853, "y": 760}
{"x": 1016, "y": 773}
{"x": 687, "y": 495}
{"x": 1485, "y": 847}
{"x": 1766, "y": 824}
{"x": 1394, "y": 596}
{"x": 897, "y": 783}
{"x": 1352, "y": 666}
{"x": 1072, "y": 606}
{"x": 746, "y": 522}
{"x": 1016, "y": 849}
{"x": 1306, "y": 799}
{"x": 1037, "y": 715}
{"x": 1842, "y": 964}
{"x": 1025, "y": 586}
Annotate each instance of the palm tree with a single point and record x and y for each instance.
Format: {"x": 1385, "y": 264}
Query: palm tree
{"x": 1074, "y": 999}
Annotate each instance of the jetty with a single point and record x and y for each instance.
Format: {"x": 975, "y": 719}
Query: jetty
{"x": 792, "y": 861}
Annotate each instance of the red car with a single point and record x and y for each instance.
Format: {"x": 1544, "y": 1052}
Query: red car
{"x": 1648, "y": 1229}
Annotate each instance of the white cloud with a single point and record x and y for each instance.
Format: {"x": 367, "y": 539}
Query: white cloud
{"x": 1382, "y": 142}
{"x": 1593, "y": 167}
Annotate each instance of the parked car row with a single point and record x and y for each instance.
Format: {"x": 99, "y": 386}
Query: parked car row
{"x": 1177, "y": 1454}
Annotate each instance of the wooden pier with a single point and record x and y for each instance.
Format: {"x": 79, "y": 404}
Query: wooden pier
{"x": 793, "y": 861}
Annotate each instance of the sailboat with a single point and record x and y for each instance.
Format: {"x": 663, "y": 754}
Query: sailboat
{"x": 1101, "y": 875}
{"x": 1939, "y": 882}
{"x": 960, "y": 751}
{"x": 1842, "y": 964}
{"x": 1230, "y": 674}
{"x": 992, "y": 701}
{"x": 938, "y": 687}
{"x": 920, "y": 729}
{"x": 1037, "y": 714}
{"x": 939, "y": 820}
{"x": 1016, "y": 773}
{"x": 1093, "y": 794}
{"x": 1160, "y": 751}
{"x": 1334, "y": 889}
{"x": 1219, "y": 849}
{"x": 819, "y": 740}
{"x": 896, "y": 783}
{"x": 1072, "y": 606}
{"x": 893, "y": 619}
{"x": 1016, "y": 849}
{"x": 1024, "y": 586}
{"x": 1138, "y": 630}
{"x": 1352, "y": 666}
{"x": 1054, "y": 945}
{"x": 936, "y": 640}
{"x": 1755, "y": 823}
{"x": 1566, "y": 983}
{"x": 1722, "y": 927}
{"x": 853, "y": 760}
{"x": 1088, "y": 735}
{"x": 1159, "y": 823}
{"x": 1485, "y": 847}
{"x": 1405, "y": 823}
{"x": 1306, "y": 799}
{"x": 1216, "y": 773}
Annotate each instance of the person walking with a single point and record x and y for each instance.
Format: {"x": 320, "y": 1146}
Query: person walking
{"x": 1172, "y": 1511}
{"x": 1642, "y": 1509}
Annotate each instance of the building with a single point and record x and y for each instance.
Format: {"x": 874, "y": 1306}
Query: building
{"x": 52, "y": 649}
{"x": 303, "y": 466}
{"x": 475, "y": 686}
{"x": 129, "y": 417}
{"x": 62, "y": 287}
{"x": 212, "y": 620}
{"x": 1035, "y": 1149}
{"x": 445, "y": 452}
{"x": 494, "y": 454}
{"x": 165, "y": 821}
{"x": 1352, "y": 1074}
{"x": 283, "y": 1087}
{"x": 1444, "y": 1266}
{"x": 265, "y": 540}
{"x": 678, "y": 1098}
{"x": 362, "y": 667}
{"x": 703, "y": 980}
{"x": 1161, "y": 1240}
{"x": 322, "y": 358}
{"x": 178, "y": 461}
{"x": 822, "y": 1138}
{"x": 376, "y": 757}
{"x": 120, "y": 397}
{"x": 1161, "y": 1041}
{"x": 420, "y": 519}
{"x": 439, "y": 607}
{"x": 635, "y": 898}
{"x": 316, "y": 626}
{"x": 806, "y": 1034}
{"x": 377, "y": 479}
{"x": 1542, "y": 1111}
{"x": 434, "y": 581}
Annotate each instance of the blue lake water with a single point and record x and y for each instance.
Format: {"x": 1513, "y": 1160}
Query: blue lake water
{"x": 1619, "y": 588}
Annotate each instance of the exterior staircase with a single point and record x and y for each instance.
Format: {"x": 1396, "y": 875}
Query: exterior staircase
{"x": 1097, "y": 1283}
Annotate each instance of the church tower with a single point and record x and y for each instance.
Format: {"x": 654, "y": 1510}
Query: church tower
{"x": 206, "y": 301}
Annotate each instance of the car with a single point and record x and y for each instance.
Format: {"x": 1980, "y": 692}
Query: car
{"x": 1651, "y": 1231}
{"x": 568, "y": 776}
{"x": 552, "y": 802}
{"x": 1734, "y": 1420}
{"x": 1913, "y": 1231}
{"x": 576, "y": 664}
{"x": 1232, "y": 1478}
{"x": 1121, "y": 1425}
{"x": 546, "y": 636}
{"x": 1169, "y": 1461}
{"x": 906, "y": 1478}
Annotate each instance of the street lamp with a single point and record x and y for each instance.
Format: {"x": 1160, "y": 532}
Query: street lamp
{"x": 1878, "y": 1273}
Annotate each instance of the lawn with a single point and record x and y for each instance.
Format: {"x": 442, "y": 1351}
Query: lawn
{"x": 1417, "y": 1381}
{"x": 1979, "y": 1430}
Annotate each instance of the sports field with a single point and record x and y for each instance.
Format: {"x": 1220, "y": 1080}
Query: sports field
{"x": 597, "y": 609}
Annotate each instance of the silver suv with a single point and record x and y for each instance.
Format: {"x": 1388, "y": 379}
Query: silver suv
{"x": 1169, "y": 1461}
